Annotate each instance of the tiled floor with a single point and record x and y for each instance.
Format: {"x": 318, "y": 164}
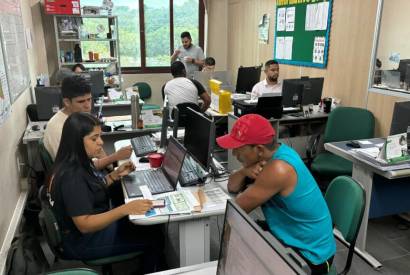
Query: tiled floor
{"x": 388, "y": 241}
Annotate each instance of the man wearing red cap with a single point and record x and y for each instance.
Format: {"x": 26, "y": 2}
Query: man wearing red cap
{"x": 294, "y": 208}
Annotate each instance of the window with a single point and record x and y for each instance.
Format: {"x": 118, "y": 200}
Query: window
{"x": 149, "y": 31}
{"x": 390, "y": 70}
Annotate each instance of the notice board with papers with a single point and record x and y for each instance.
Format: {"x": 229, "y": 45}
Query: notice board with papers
{"x": 302, "y": 32}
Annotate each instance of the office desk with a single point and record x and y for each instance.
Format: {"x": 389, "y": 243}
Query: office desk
{"x": 298, "y": 143}
{"x": 194, "y": 228}
{"x": 387, "y": 192}
{"x": 199, "y": 269}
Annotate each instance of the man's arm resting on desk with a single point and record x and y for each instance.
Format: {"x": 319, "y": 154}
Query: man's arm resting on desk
{"x": 276, "y": 177}
{"x": 238, "y": 179}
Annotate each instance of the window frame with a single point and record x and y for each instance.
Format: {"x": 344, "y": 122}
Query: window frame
{"x": 143, "y": 69}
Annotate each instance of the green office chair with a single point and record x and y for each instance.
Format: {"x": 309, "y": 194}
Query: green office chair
{"x": 144, "y": 90}
{"x": 45, "y": 157}
{"x": 73, "y": 271}
{"x": 52, "y": 233}
{"x": 346, "y": 200}
{"x": 344, "y": 123}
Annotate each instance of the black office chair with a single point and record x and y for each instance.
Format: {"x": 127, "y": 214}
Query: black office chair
{"x": 31, "y": 111}
{"x": 183, "y": 112}
{"x": 51, "y": 230}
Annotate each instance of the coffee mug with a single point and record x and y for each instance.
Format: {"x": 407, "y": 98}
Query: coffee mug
{"x": 155, "y": 160}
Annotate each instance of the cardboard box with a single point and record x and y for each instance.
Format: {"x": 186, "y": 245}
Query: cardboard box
{"x": 65, "y": 7}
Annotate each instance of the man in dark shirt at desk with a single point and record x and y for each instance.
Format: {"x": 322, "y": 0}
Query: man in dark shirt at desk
{"x": 294, "y": 208}
{"x": 184, "y": 90}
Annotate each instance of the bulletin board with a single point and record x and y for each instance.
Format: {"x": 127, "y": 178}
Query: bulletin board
{"x": 14, "y": 69}
{"x": 302, "y": 32}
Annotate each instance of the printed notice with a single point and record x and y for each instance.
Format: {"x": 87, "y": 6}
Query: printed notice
{"x": 290, "y": 19}
{"x": 281, "y": 19}
{"x": 319, "y": 50}
{"x": 288, "y": 47}
{"x": 317, "y": 16}
{"x": 280, "y": 48}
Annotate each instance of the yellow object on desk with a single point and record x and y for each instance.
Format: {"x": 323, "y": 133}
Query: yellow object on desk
{"x": 201, "y": 198}
{"x": 220, "y": 99}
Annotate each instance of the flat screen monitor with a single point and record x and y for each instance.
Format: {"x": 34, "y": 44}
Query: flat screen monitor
{"x": 96, "y": 79}
{"x": 292, "y": 91}
{"x": 199, "y": 136}
{"x": 269, "y": 106}
{"x": 401, "y": 118}
{"x": 48, "y": 100}
{"x": 312, "y": 90}
{"x": 246, "y": 249}
{"x": 247, "y": 78}
{"x": 403, "y": 68}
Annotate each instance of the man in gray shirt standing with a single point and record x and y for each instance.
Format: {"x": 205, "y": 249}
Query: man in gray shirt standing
{"x": 191, "y": 55}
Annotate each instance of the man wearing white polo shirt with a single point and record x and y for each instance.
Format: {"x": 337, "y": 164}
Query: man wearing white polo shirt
{"x": 270, "y": 84}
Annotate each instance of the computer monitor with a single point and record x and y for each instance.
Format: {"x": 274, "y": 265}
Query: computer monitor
{"x": 312, "y": 90}
{"x": 403, "y": 68}
{"x": 247, "y": 78}
{"x": 199, "y": 137}
{"x": 96, "y": 79}
{"x": 48, "y": 100}
{"x": 246, "y": 249}
{"x": 401, "y": 118}
{"x": 292, "y": 91}
{"x": 269, "y": 106}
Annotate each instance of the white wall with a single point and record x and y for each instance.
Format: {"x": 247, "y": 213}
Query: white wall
{"x": 10, "y": 136}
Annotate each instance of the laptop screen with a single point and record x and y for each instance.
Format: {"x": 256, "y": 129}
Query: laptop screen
{"x": 173, "y": 160}
{"x": 246, "y": 249}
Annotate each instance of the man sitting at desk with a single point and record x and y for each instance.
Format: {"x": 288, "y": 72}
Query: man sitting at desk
{"x": 294, "y": 208}
{"x": 76, "y": 94}
{"x": 184, "y": 90}
{"x": 270, "y": 84}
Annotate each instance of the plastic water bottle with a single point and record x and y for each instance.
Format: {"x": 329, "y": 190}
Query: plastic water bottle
{"x": 135, "y": 111}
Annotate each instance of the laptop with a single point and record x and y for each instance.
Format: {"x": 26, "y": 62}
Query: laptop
{"x": 160, "y": 180}
{"x": 246, "y": 249}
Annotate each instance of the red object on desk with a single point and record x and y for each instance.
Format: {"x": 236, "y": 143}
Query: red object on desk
{"x": 62, "y": 6}
{"x": 155, "y": 160}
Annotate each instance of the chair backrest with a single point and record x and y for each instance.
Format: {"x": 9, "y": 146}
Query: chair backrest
{"x": 50, "y": 229}
{"x": 46, "y": 159}
{"x": 74, "y": 271}
{"x": 31, "y": 111}
{"x": 347, "y": 123}
{"x": 183, "y": 112}
{"x": 144, "y": 89}
{"x": 346, "y": 200}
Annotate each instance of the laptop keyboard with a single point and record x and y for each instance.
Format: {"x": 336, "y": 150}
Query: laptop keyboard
{"x": 143, "y": 145}
{"x": 156, "y": 181}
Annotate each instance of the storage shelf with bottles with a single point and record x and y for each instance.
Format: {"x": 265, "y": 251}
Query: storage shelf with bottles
{"x": 91, "y": 40}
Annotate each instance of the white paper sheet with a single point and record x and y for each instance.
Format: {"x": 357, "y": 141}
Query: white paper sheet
{"x": 281, "y": 19}
{"x": 319, "y": 50}
{"x": 288, "y": 47}
{"x": 290, "y": 19}
{"x": 280, "y": 48}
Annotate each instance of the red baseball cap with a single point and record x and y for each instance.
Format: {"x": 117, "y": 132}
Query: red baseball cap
{"x": 247, "y": 130}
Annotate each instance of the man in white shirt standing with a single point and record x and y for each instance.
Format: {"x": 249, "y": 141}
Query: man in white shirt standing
{"x": 270, "y": 84}
{"x": 191, "y": 55}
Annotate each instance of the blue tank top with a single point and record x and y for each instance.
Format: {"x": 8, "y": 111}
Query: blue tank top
{"x": 301, "y": 219}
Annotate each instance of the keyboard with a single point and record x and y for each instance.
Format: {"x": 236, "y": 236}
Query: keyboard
{"x": 189, "y": 174}
{"x": 154, "y": 179}
{"x": 143, "y": 145}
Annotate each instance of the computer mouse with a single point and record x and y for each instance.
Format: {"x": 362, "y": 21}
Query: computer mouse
{"x": 353, "y": 144}
{"x": 35, "y": 127}
{"x": 143, "y": 160}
